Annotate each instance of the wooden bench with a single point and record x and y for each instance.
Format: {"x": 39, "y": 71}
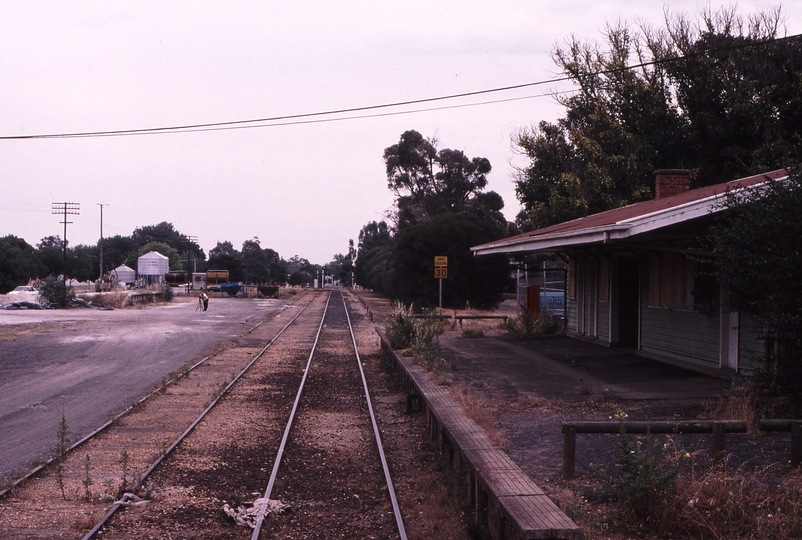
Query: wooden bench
{"x": 504, "y": 497}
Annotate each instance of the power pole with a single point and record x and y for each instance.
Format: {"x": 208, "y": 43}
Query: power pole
{"x": 100, "y": 244}
{"x": 66, "y": 208}
{"x": 190, "y": 239}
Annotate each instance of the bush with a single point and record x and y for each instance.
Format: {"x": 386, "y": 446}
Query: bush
{"x": 55, "y": 292}
{"x": 419, "y": 337}
{"x": 167, "y": 293}
{"x": 645, "y": 477}
{"x": 400, "y": 329}
{"x": 527, "y": 324}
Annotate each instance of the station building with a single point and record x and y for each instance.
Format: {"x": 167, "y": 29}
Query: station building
{"x": 635, "y": 281}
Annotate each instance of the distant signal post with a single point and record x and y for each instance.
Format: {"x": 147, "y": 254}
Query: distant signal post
{"x": 441, "y": 273}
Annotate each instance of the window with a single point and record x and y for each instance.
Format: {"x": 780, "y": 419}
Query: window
{"x": 675, "y": 282}
{"x": 667, "y": 280}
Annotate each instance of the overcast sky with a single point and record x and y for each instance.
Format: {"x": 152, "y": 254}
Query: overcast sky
{"x": 302, "y": 189}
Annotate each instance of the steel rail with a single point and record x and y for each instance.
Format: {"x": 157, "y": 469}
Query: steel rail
{"x": 118, "y": 504}
{"x": 276, "y": 464}
{"x": 260, "y": 516}
{"x": 399, "y": 520}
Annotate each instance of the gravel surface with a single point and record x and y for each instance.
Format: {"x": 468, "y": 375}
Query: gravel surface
{"x": 89, "y": 365}
{"x": 225, "y": 460}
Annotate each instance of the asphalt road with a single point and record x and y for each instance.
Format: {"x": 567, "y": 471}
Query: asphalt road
{"x": 90, "y": 365}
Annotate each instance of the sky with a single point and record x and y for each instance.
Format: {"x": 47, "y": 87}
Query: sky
{"x": 304, "y": 186}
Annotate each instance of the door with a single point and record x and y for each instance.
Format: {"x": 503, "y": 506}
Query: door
{"x": 628, "y": 285}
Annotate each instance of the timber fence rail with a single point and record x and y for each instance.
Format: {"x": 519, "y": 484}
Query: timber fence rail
{"x": 716, "y": 428}
{"x": 795, "y": 427}
{"x": 457, "y": 317}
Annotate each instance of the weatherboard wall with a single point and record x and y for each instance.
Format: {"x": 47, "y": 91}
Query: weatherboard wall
{"x": 571, "y": 315}
{"x": 603, "y": 322}
{"x": 685, "y": 335}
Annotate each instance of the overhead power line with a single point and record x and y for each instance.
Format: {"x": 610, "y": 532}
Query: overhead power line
{"x": 315, "y": 117}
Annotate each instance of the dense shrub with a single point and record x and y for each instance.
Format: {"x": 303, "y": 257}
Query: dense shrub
{"x": 55, "y": 292}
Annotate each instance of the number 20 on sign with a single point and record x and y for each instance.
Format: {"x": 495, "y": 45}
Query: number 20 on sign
{"x": 440, "y": 273}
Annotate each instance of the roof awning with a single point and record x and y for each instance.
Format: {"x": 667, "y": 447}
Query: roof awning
{"x": 626, "y": 222}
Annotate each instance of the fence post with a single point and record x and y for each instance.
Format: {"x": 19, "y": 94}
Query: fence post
{"x": 796, "y": 443}
{"x": 569, "y": 451}
{"x": 718, "y": 442}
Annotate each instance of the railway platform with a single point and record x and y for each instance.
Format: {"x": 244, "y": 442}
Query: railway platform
{"x": 504, "y": 497}
{"x": 551, "y": 370}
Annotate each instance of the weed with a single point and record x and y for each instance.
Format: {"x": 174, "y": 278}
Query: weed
{"x": 108, "y": 484}
{"x": 427, "y": 352}
{"x": 125, "y": 463}
{"x": 55, "y": 292}
{"x": 586, "y": 389}
{"x": 62, "y": 445}
{"x": 646, "y": 475}
{"x": 528, "y": 324}
{"x": 87, "y": 481}
{"x": 400, "y": 328}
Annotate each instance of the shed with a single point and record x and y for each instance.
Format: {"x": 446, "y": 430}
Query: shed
{"x": 153, "y": 267}
{"x": 125, "y": 274}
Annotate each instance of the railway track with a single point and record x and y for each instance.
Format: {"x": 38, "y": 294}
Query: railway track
{"x": 294, "y": 427}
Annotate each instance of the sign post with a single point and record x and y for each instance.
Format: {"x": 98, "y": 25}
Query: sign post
{"x": 441, "y": 273}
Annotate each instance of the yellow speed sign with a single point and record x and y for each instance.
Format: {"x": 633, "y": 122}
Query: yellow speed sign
{"x": 440, "y": 273}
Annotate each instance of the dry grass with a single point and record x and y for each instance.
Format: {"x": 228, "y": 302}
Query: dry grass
{"x": 116, "y": 300}
{"x": 735, "y": 408}
{"x": 482, "y": 411}
{"x": 738, "y": 504}
{"x": 85, "y": 521}
{"x": 472, "y": 332}
{"x": 718, "y": 504}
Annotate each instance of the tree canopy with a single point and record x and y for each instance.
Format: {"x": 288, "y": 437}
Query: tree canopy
{"x": 758, "y": 238}
{"x": 166, "y": 233}
{"x": 442, "y": 208}
{"x": 475, "y": 281}
{"x": 21, "y": 263}
{"x": 18, "y": 263}
{"x": 721, "y": 96}
{"x": 428, "y": 182}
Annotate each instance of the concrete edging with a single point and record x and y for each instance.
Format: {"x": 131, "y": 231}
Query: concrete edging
{"x": 505, "y": 498}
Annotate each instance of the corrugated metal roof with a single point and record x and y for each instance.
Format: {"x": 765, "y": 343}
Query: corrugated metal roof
{"x": 619, "y": 217}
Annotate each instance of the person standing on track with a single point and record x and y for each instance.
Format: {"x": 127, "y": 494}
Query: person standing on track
{"x": 204, "y": 301}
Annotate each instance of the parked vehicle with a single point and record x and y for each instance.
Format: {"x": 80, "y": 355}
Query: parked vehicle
{"x": 23, "y": 289}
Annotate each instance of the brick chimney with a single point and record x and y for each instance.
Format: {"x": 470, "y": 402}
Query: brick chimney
{"x": 668, "y": 182}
